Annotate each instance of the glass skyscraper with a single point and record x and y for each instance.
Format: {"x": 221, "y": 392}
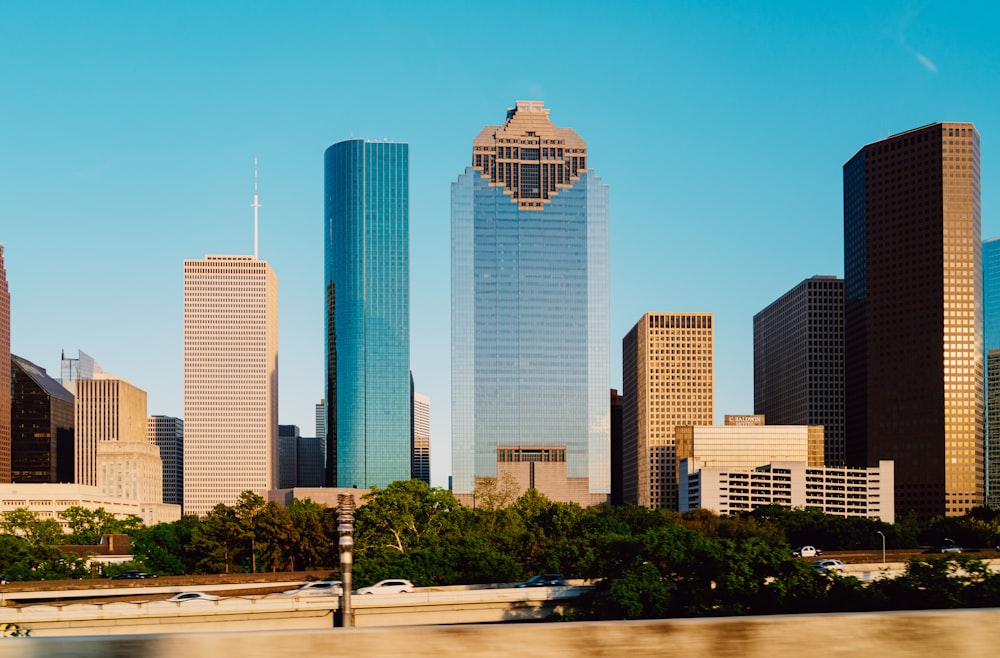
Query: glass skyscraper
{"x": 367, "y": 282}
{"x": 530, "y": 303}
{"x": 991, "y": 345}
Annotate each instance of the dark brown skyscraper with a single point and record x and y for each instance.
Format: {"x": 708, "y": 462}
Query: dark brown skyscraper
{"x": 4, "y": 374}
{"x": 913, "y": 356}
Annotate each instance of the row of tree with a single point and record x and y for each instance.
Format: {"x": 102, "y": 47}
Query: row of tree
{"x": 645, "y": 563}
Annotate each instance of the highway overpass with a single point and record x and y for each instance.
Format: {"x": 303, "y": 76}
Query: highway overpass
{"x": 951, "y": 634}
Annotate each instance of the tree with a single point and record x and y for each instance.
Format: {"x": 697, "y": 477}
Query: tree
{"x": 495, "y": 493}
{"x": 28, "y": 524}
{"x": 403, "y": 531}
{"x": 163, "y": 548}
{"x": 278, "y": 535}
{"x": 247, "y": 509}
{"x": 315, "y": 524}
{"x": 218, "y": 540}
{"x": 87, "y": 526}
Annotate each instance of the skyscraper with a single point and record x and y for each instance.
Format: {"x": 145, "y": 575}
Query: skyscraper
{"x": 668, "y": 380}
{"x": 230, "y": 380}
{"x": 366, "y": 237}
{"x": 913, "y": 341}
{"x": 529, "y": 305}
{"x": 421, "y": 465}
{"x": 4, "y": 374}
{"x": 798, "y": 361}
{"x": 108, "y": 410}
{"x": 991, "y": 346}
{"x": 167, "y": 433}
{"x": 42, "y": 416}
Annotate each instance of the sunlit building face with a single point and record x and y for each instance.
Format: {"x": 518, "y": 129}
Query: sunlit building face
{"x": 913, "y": 315}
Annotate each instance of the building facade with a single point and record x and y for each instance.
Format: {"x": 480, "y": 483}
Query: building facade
{"x": 421, "y": 446}
{"x": 108, "y": 410}
{"x": 798, "y": 361}
{"x": 288, "y": 456}
{"x": 130, "y": 470}
{"x": 667, "y": 381}
{"x": 5, "y": 374}
{"x": 991, "y": 347}
{"x": 913, "y": 341}
{"x": 367, "y": 289}
{"x": 529, "y": 301}
{"x": 617, "y": 452}
{"x": 309, "y": 462}
{"x": 42, "y": 417}
{"x": 230, "y": 380}
{"x": 841, "y": 491}
{"x": 49, "y": 501}
{"x": 167, "y": 433}
{"x": 741, "y": 445}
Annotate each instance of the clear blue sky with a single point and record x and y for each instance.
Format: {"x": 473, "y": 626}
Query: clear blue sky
{"x": 127, "y": 133}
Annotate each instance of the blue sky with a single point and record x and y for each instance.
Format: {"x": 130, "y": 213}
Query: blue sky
{"x": 127, "y": 134}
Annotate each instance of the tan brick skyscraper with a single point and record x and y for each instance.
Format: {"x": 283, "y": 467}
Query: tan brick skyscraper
{"x": 4, "y": 374}
{"x": 230, "y": 380}
{"x": 668, "y": 380}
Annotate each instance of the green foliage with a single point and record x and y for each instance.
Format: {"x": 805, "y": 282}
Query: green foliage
{"x": 405, "y": 531}
{"x": 219, "y": 541}
{"x": 23, "y": 560}
{"x": 27, "y": 524}
{"x": 87, "y": 526}
{"x": 163, "y": 547}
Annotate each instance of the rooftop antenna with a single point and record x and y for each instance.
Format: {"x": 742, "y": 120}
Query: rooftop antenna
{"x": 255, "y": 206}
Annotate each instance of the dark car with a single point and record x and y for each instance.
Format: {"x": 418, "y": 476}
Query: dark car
{"x": 133, "y": 574}
{"x": 544, "y": 580}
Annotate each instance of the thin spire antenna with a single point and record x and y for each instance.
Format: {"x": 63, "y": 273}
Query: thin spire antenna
{"x": 255, "y": 206}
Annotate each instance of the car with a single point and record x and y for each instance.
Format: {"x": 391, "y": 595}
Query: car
{"x": 192, "y": 596}
{"x": 397, "y": 586}
{"x": 3, "y": 580}
{"x": 807, "y": 551}
{"x": 828, "y": 566}
{"x": 949, "y": 548}
{"x": 317, "y": 588}
{"x": 544, "y": 580}
{"x": 133, "y": 574}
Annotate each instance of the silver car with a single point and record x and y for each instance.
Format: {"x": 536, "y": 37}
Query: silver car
{"x": 317, "y": 588}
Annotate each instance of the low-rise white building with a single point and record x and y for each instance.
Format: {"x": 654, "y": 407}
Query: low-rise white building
{"x": 47, "y": 500}
{"x": 842, "y": 491}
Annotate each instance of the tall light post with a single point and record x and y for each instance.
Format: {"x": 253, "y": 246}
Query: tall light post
{"x": 345, "y": 528}
{"x": 883, "y": 546}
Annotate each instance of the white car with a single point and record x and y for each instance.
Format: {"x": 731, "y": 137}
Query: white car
{"x": 388, "y": 587}
{"x": 828, "y": 566}
{"x": 192, "y": 596}
{"x": 317, "y": 588}
{"x": 807, "y": 551}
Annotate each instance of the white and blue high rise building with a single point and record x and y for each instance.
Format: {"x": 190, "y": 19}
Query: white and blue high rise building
{"x": 530, "y": 305}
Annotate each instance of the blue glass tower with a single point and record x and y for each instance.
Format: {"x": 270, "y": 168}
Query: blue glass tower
{"x": 367, "y": 313}
{"x": 530, "y": 303}
{"x": 991, "y": 345}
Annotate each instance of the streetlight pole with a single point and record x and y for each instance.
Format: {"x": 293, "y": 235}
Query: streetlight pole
{"x": 883, "y": 546}
{"x": 345, "y": 528}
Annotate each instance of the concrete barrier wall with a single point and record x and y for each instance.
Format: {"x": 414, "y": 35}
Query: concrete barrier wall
{"x": 952, "y": 634}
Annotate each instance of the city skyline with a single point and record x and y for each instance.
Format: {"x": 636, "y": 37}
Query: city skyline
{"x": 720, "y": 132}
